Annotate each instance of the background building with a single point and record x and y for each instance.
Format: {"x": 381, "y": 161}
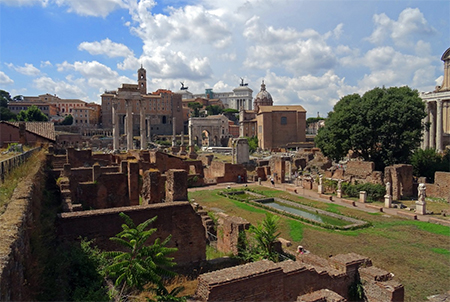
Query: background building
{"x": 437, "y": 136}
{"x": 161, "y": 108}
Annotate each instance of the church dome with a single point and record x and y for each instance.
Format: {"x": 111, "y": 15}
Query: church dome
{"x": 263, "y": 98}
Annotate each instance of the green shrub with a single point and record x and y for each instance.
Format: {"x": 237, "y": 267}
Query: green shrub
{"x": 374, "y": 192}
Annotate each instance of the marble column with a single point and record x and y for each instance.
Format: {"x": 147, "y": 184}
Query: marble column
{"x": 426, "y": 132}
{"x": 432, "y": 134}
{"x": 142, "y": 125}
{"x": 191, "y": 134}
{"x": 129, "y": 106}
{"x": 439, "y": 145}
{"x": 174, "y": 122}
{"x": 149, "y": 129}
{"x": 116, "y": 129}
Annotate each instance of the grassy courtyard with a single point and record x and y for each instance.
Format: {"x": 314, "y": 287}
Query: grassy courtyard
{"x": 418, "y": 253}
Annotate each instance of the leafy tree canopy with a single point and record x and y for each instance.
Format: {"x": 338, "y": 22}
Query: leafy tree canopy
{"x": 68, "y": 120}
{"x": 32, "y": 114}
{"x": 383, "y": 126}
{"x": 6, "y": 114}
{"x": 213, "y": 109}
{"x": 195, "y": 108}
{"x": 230, "y": 110}
{"x": 5, "y": 98}
{"x": 427, "y": 162}
{"x": 311, "y": 120}
{"x": 252, "y": 143}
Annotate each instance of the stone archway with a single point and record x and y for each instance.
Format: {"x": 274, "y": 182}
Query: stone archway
{"x": 206, "y": 138}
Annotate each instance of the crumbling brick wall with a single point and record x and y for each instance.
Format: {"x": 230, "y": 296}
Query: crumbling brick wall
{"x": 153, "y": 187}
{"x": 224, "y": 172}
{"x": 177, "y": 219}
{"x": 17, "y": 224}
{"x": 401, "y": 179}
{"x": 228, "y": 231}
{"x": 360, "y": 169}
{"x": 176, "y": 185}
{"x": 441, "y": 186}
{"x": 285, "y": 281}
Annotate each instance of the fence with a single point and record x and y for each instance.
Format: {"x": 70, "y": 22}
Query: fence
{"x": 7, "y": 165}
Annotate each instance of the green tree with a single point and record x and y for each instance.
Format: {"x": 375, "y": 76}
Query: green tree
{"x": 32, "y": 114}
{"x": 252, "y": 143}
{"x": 68, "y": 120}
{"x": 427, "y": 162}
{"x": 140, "y": 263}
{"x": 383, "y": 126}
{"x": 213, "y": 109}
{"x": 5, "y": 98}
{"x": 195, "y": 108}
{"x": 265, "y": 235}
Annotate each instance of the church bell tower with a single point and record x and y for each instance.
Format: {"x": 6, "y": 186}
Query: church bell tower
{"x": 142, "y": 80}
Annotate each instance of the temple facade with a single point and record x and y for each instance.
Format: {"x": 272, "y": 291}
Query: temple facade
{"x": 437, "y": 135}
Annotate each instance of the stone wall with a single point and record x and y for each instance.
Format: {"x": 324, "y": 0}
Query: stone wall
{"x": 176, "y": 185}
{"x": 220, "y": 172}
{"x": 401, "y": 179}
{"x": 177, "y": 219}
{"x": 228, "y": 230}
{"x": 360, "y": 169}
{"x": 441, "y": 186}
{"x": 17, "y": 223}
{"x": 285, "y": 281}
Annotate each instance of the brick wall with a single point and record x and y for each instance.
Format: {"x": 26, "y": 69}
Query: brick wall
{"x": 285, "y": 281}
{"x": 224, "y": 172}
{"x": 177, "y": 219}
{"x": 360, "y": 169}
{"x": 401, "y": 179}
{"x": 441, "y": 186}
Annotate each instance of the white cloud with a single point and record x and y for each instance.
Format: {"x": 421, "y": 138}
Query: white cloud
{"x": 299, "y": 52}
{"x": 4, "y": 79}
{"x": 24, "y": 2}
{"x": 95, "y": 8}
{"x": 27, "y": 69}
{"x": 97, "y": 75}
{"x": 46, "y": 64}
{"x": 60, "y": 88}
{"x": 106, "y": 47}
{"x": 410, "y": 24}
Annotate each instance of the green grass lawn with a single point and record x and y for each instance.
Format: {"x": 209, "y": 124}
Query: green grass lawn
{"x": 417, "y": 253}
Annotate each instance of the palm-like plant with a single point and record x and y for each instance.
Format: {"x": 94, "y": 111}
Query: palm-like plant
{"x": 140, "y": 263}
{"x": 265, "y": 234}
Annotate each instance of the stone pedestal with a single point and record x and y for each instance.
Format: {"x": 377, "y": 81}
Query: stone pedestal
{"x": 259, "y": 180}
{"x": 421, "y": 208}
{"x": 362, "y": 196}
{"x": 387, "y": 201}
{"x": 339, "y": 194}
{"x": 320, "y": 189}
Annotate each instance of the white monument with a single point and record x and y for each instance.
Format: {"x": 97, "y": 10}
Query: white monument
{"x": 388, "y": 196}
{"x": 420, "y": 203}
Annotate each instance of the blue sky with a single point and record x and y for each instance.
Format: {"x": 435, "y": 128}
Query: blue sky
{"x": 310, "y": 53}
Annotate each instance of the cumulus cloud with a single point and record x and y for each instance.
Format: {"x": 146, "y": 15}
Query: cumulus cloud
{"x": 95, "y": 8}
{"x": 298, "y": 52}
{"x": 24, "y": 2}
{"x": 46, "y": 64}
{"x": 106, "y": 47}
{"x": 4, "y": 79}
{"x": 60, "y": 88}
{"x": 27, "y": 69}
{"x": 97, "y": 75}
{"x": 410, "y": 24}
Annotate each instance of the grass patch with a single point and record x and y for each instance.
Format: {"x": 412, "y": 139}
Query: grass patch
{"x": 440, "y": 251}
{"x": 13, "y": 179}
{"x": 213, "y": 253}
{"x": 295, "y": 230}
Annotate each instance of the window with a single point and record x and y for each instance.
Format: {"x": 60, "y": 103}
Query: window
{"x": 283, "y": 120}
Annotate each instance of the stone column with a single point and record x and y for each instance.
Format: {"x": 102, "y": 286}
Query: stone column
{"x": 191, "y": 133}
{"x": 362, "y": 196}
{"x": 388, "y": 196}
{"x": 439, "y": 125}
{"x": 432, "y": 134}
{"x": 426, "y": 133}
{"x": 320, "y": 186}
{"x": 142, "y": 126}
{"x": 116, "y": 129}
{"x": 339, "y": 189}
{"x": 129, "y": 106}
{"x": 149, "y": 129}
{"x": 241, "y": 122}
{"x": 174, "y": 141}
